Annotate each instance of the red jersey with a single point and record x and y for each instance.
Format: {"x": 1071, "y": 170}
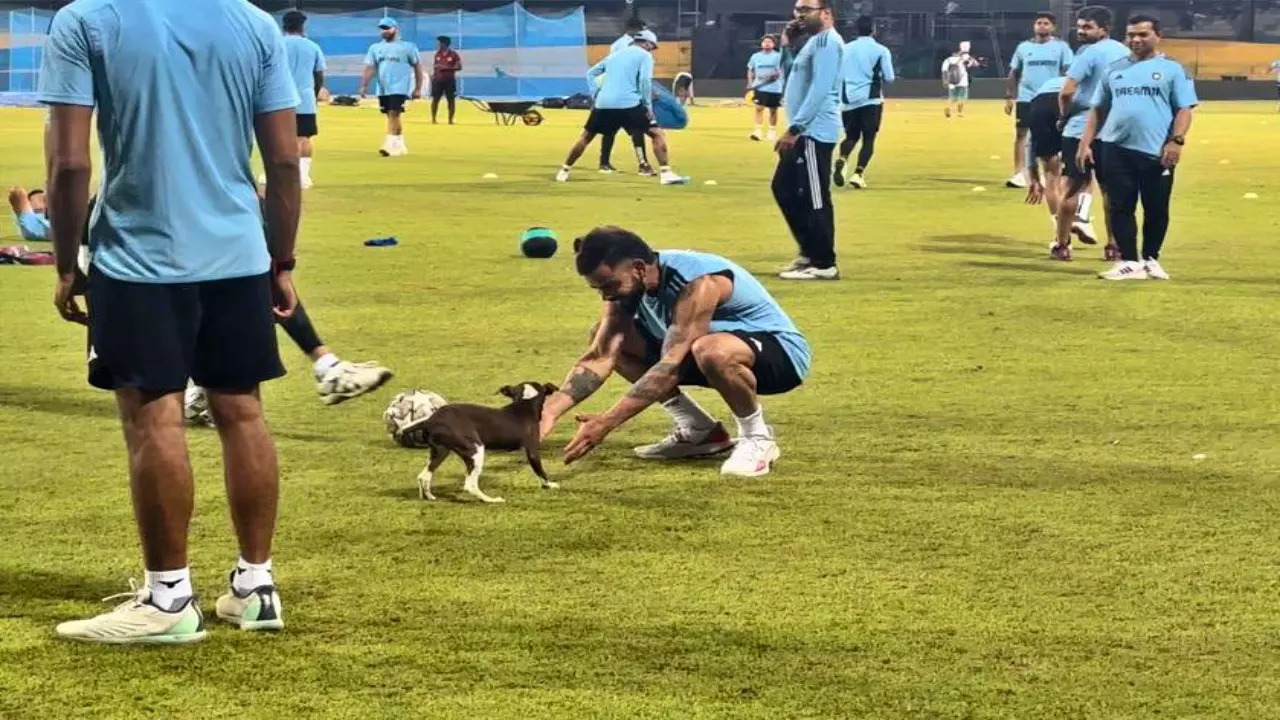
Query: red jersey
{"x": 447, "y": 64}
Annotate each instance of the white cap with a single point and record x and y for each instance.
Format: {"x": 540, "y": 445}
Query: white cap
{"x": 647, "y": 36}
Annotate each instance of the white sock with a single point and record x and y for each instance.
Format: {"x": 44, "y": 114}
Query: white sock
{"x": 305, "y": 165}
{"x": 400, "y": 143}
{"x": 664, "y": 169}
{"x": 1085, "y": 205}
{"x": 688, "y": 414}
{"x": 249, "y": 576}
{"x": 756, "y": 131}
{"x": 390, "y": 142}
{"x": 169, "y": 588}
{"x": 324, "y": 364}
{"x": 753, "y": 425}
{"x": 566, "y": 168}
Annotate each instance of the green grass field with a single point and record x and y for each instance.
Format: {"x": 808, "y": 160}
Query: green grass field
{"x": 988, "y": 505}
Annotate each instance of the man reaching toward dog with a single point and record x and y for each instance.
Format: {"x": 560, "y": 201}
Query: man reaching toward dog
{"x": 674, "y": 318}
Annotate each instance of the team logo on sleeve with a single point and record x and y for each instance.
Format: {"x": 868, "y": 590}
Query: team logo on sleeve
{"x": 1156, "y": 76}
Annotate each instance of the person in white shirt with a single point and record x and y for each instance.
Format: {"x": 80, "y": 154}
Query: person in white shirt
{"x": 955, "y": 78}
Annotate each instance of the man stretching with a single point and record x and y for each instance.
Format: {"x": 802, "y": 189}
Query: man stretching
{"x": 625, "y": 102}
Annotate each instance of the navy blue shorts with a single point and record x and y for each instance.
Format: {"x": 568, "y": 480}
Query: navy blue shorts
{"x": 392, "y": 103}
{"x": 153, "y": 337}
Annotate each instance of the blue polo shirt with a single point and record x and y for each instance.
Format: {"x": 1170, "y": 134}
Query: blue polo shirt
{"x": 1141, "y": 99}
{"x": 305, "y": 60}
{"x": 1038, "y": 62}
{"x": 766, "y": 64}
{"x": 394, "y": 62}
{"x": 1088, "y": 69}
{"x": 176, "y": 94}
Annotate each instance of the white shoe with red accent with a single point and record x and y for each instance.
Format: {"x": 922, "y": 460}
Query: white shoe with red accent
{"x": 753, "y": 457}
{"x": 682, "y": 444}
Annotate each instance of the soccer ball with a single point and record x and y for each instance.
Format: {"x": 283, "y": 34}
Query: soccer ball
{"x": 407, "y": 412}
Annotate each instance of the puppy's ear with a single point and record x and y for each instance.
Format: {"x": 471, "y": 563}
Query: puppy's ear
{"x": 510, "y": 391}
{"x": 549, "y": 389}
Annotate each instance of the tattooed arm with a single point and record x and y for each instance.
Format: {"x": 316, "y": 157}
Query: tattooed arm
{"x": 692, "y": 319}
{"x": 591, "y": 370}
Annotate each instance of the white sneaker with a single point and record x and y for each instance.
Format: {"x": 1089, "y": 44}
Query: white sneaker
{"x": 800, "y": 263}
{"x": 1125, "y": 270}
{"x": 753, "y": 457}
{"x": 756, "y": 136}
{"x": 681, "y": 444}
{"x": 137, "y": 621}
{"x": 772, "y": 136}
{"x": 195, "y": 407}
{"x": 670, "y": 178}
{"x": 857, "y": 181}
{"x": 351, "y": 380}
{"x": 1084, "y": 232}
{"x": 1019, "y": 180}
{"x": 811, "y": 273}
{"x": 562, "y": 175}
{"x": 306, "y": 183}
{"x": 1154, "y": 271}
{"x": 259, "y": 610}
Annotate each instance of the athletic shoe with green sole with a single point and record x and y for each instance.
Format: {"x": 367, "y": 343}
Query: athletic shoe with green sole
{"x": 259, "y": 610}
{"x": 137, "y": 622}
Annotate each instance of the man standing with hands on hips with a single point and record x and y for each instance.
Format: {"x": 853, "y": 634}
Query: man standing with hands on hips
{"x": 395, "y": 62}
{"x": 802, "y": 182}
{"x": 1141, "y": 113}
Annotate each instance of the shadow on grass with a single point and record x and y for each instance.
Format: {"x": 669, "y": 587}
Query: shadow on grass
{"x": 1053, "y": 268}
{"x": 60, "y": 402}
{"x": 17, "y": 585}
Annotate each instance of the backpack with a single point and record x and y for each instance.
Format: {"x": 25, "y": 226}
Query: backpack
{"x": 955, "y": 75}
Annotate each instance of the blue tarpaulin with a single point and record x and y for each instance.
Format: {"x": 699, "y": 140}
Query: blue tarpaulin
{"x": 507, "y": 52}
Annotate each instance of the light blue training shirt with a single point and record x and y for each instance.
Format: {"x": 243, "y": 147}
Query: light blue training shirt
{"x": 1141, "y": 98}
{"x": 305, "y": 60}
{"x": 1038, "y": 62}
{"x": 33, "y": 226}
{"x": 622, "y": 42}
{"x": 812, "y": 96}
{"x": 628, "y": 79}
{"x": 767, "y": 64}
{"x": 1088, "y": 69}
{"x": 866, "y": 67}
{"x": 394, "y": 62}
{"x": 750, "y": 307}
{"x": 176, "y": 94}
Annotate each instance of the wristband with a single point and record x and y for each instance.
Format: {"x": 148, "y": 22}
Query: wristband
{"x": 284, "y": 265}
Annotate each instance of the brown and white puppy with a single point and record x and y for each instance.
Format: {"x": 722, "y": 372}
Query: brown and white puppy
{"x": 470, "y": 430}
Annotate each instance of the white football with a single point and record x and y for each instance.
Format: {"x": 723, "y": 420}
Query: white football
{"x": 410, "y": 409}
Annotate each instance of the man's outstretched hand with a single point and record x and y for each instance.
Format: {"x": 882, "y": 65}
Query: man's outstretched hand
{"x": 592, "y": 430}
